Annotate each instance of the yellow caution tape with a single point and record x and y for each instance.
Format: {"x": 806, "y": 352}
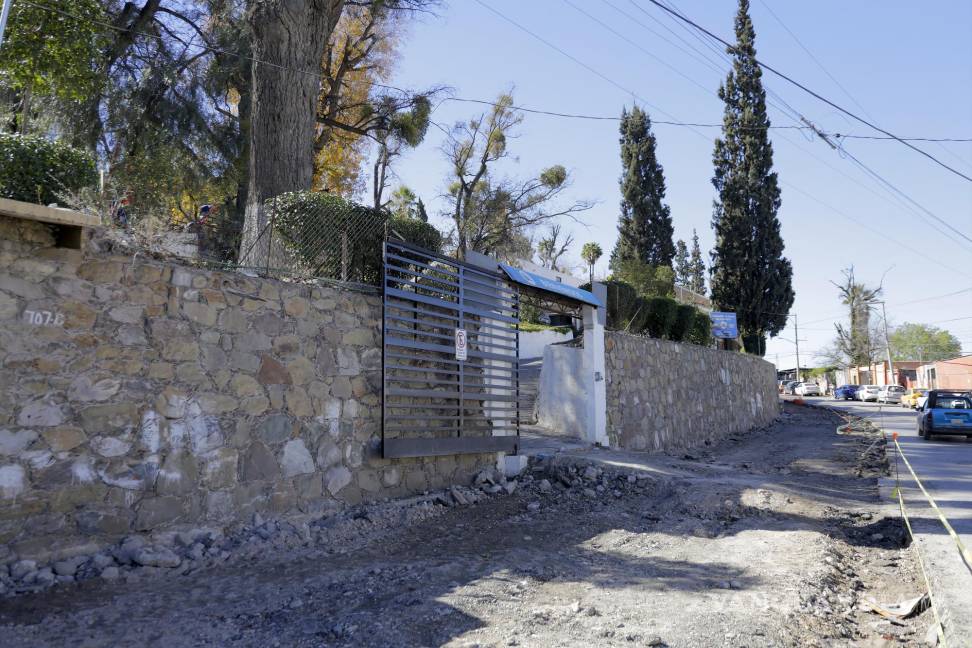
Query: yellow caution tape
{"x": 921, "y": 563}
{"x": 941, "y": 516}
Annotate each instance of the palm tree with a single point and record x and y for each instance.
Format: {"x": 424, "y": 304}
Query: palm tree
{"x": 856, "y": 342}
{"x": 591, "y": 252}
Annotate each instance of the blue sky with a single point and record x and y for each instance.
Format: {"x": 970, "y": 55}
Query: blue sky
{"x": 905, "y": 66}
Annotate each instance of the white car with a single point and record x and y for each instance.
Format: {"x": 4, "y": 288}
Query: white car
{"x": 807, "y": 389}
{"x": 890, "y": 394}
{"x": 868, "y": 392}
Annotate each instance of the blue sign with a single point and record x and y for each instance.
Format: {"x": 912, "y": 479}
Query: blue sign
{"x": 724, "y": 325}
{"x": 525, "y": 278}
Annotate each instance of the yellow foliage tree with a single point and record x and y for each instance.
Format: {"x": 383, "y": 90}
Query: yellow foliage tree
{"x": 361, "y": 53}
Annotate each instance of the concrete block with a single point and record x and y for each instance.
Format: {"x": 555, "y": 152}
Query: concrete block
{"x": 512, "y": 465}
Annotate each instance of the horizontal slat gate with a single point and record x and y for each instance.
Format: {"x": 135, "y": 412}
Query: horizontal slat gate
{"x": 432, "y": 402}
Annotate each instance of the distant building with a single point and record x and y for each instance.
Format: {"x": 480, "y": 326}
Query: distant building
{"x": 685, "y": 296}
{"x": 955, "y": 373}
{"x": 877, "y": 373}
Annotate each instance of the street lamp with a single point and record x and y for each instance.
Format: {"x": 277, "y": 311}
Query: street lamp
{"x": 796, "y": 342}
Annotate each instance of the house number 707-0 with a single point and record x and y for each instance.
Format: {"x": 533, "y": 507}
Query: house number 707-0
{"x": 44, "y": 318}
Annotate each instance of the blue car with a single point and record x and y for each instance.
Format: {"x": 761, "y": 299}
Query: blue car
{"x": 846, "y": 392}
{"x": 946, "y": 412}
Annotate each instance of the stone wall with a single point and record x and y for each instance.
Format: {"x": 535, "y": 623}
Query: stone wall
{"x": 663, "y": 395}
{"x": 138, "y": 396}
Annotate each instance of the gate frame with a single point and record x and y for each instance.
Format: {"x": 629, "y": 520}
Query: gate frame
{"x": 399, "y": 447}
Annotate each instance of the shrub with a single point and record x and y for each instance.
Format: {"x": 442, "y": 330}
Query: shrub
{"x": 622, "y": 304}
{"x": 328, "y": 236}
{"x": 416, "y": 232}
{"x": 647, "y": 280}
{"x": 682, "y": 324}
{"x": 701, "y": 331}
{"x": 36, "y": 169}
{"x": 529, "y": 311}
{"x": 660, "y": 316}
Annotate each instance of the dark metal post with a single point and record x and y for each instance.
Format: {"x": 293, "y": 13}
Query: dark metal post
{"x": 384, "y": 326}
{"x": 273, "y": 220}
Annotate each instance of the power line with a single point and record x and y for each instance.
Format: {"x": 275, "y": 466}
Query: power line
{"x": 907, "y": 139}
{"x": 690, "y": 125}
{"x": 537, "y": 111}
{"x": 553, "y": 113}
{"x": 863, "y": 166}
{"x": 816, "y": 60}
{"x": 790, "y": 114}
{"x": 906, "y": 196}
{"x": 579, "y": 62}
{"x": 905, "y": 303}
{"x": 597, "y": 73}
{"x": 811, "y": 92}
{"x": 637, "y": 46}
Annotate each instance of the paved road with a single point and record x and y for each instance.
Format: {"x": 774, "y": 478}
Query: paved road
{"x": 944, "y": 466}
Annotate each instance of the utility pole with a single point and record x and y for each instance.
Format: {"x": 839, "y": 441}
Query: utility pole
{"x": 887, "y": 343}
{"x": 3, "y": 17}
{"x": 796, "y": 341}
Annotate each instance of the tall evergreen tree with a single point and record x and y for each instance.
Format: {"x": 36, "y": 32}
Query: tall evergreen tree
{"x": 681, "y": 264}
{"x": 696, "y": 267}
{"x": 420, "y": 212}
{"x": 645, "y": 226}
{"x": 750, "y": 275}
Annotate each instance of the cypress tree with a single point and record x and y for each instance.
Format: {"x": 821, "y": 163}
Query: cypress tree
{"x": 682, "y": 277}
{"x": 420, "y": 211}
{"x": 750, "y": 275}
{"x": 696, "y": 267}
{"x": 645, "y": 226}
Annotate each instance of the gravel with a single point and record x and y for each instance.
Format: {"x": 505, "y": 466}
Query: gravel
{"x": 598, "y": 548}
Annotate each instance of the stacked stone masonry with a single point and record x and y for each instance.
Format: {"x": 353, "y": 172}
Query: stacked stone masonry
{"x": 138, "y": 396}
{"x": 665, "y": 396}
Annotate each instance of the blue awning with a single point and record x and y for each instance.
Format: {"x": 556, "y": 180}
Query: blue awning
{"x": 531, "y": 280}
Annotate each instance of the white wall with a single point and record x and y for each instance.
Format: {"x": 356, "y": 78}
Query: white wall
{"x": 532, "y": 343}
{"x": 562, "y": 398}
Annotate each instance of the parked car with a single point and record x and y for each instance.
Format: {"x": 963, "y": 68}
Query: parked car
{"x": 945, "y": 412}
{"x": 910, "y": 399}
{"x": 890, "y": 394}
{"x": 780, "y": 385}
{"x": 846, "y": 392}
{"x": 868, "y": 393}
{"x": 790, "y": 386}
{"x": 807, "y": 389}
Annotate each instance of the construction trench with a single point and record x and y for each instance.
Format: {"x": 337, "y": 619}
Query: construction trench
{"x": 773, "y": 537}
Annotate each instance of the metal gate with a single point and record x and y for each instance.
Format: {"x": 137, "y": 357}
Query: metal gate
{"x": 450, "y": 342}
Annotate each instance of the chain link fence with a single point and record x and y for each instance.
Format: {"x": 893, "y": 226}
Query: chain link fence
{"x": 308, "y": 235}
{"x": 297, "y": 236}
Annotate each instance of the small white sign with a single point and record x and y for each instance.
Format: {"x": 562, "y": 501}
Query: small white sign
{"x": 461, "y": 344}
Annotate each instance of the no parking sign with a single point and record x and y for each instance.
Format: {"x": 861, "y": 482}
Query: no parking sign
{"x": 461, "y": 344}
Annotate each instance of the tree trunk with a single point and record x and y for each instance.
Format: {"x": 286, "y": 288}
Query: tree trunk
{"x": 289, "y": 37}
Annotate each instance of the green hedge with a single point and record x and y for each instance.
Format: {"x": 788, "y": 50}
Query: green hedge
{"x": 36, "y": 169}
{"x": 701, "y": 332}
{"x": 658, "y": 317}
{"x": 682, "y": 325}
{"x": 315, "y": 227}
{"x": 622, "y": 303}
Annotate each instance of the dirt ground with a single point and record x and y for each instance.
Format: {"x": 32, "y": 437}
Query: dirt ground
{"x": 772, "y": 538}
